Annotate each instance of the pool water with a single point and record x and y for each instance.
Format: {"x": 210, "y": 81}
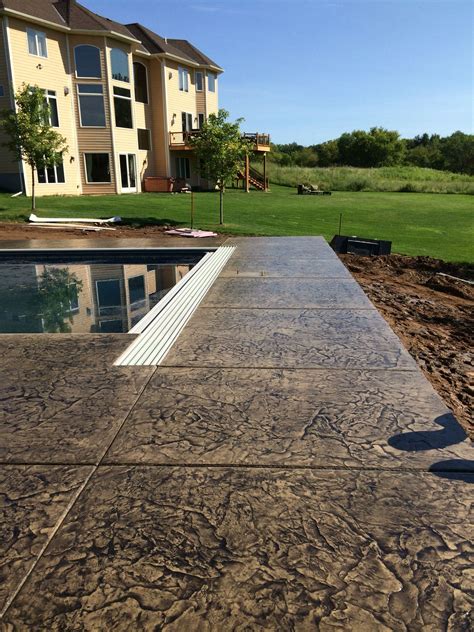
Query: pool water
{"x": 81, "y": 297}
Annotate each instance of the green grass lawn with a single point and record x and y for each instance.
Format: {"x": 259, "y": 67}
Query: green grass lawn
{"x": 436, "y": 225}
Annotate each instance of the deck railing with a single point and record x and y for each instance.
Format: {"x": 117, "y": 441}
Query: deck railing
{"x": 181, "y": 139}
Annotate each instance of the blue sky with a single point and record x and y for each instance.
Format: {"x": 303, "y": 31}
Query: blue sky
{"x": 308, "y": 70}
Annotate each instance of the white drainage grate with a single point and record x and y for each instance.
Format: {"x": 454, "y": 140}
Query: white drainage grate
{"x": 162, "y": 325}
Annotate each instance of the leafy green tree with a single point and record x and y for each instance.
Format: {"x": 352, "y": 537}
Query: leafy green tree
{"x": 328, "y": 153}
{"x": 458, "y": 152}
{"x": 31, "y": 137}
{"x": 221, "y": 151}
{"x": 57, "y": 290}
{"x": 377, "y": 148}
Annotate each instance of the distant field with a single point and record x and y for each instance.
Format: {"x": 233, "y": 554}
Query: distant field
{"x": 418, "y": 224}
{"x": 384, "y": 179}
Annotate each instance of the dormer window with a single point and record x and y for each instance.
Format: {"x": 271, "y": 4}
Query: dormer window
{"x": 36, "y": 43}
{"x": 211, "y": 82}
{"x": 119, "y": 62}
{"x": 183, "y": 75}
{"x": 87, "y": 60}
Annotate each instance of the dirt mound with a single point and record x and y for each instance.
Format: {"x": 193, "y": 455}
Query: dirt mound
{"x": 432, "y": 313}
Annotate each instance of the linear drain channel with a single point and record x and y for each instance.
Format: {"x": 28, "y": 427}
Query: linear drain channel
{"x": 162, "y": 325}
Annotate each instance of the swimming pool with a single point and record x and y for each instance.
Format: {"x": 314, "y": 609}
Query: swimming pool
{"x": 87, "y": 291}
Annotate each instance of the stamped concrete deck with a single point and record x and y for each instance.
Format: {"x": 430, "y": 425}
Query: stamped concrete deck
{"x": 287, "y": 468}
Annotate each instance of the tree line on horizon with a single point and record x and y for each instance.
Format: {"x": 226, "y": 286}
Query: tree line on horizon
{"x": 380, "y": 147}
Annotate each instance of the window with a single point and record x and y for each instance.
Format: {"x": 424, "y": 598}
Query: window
{"x": 123, "y": 107}
{"x": 199, "y": 81}
{"x": 141, "y": 82}
{"x": 186, "y": 121}
{"x": 51, "y": 175}
{"x": 87, "y": 60}
{"x": 136, "y": 289}
{"x": 211, "y": 82}
{"x": 37, "y": 43}
{"x": 91, "y": 105}
{"x": 182, "y": 167}
{"x": 119, "y": 62}
{"x": 183, "y": 75}
{"x": 2, "y": 91}
{"x": 97, "y": 168}
{"x": 144, "y": 139}
{"x": 51, "y": 100}
{"x": 201, "y": 119}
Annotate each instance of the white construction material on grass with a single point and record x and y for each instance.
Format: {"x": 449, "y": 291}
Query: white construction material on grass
{"x": 17, "y": 194}
{"x": 190, "y": 232}
{"x": 74, "y": 220}
{"x": 71, "y": 226}
{"x": 155, "y": 341}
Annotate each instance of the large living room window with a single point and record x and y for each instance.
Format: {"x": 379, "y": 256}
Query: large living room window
{"x": 183, "y": 75}
{"x": 120, "y": 67}
{"x": 97, "y": 168}
{"x": 87, "y": 59}
{"x": 141, "y": 82}
{"x": 123, "y": 107}
{"x": 36, "y": 43}
{"x": 91, "y": 105}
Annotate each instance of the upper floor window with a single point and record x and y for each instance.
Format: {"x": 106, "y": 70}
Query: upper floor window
{"x": 211, "y": 82}
{"x": 87, "y": 60}
{"x": 199, "y": 81}
{"x": 37, "y": 43}
{"x": 141, "y": 82}
{"x": 2, "y": 91}
{"x": 123, "y": 107}
{"x": 51, "y": 100}
{"x": 144, "y": 139}
{"x": 119, "y": 61}
{"x": 201, "y": 119}
{"x": 183, "y": 75}
{"x": 91, "y": 105}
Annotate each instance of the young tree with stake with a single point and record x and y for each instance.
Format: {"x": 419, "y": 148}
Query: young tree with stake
{"x": 31, "y": 137}
{"x": 221, "y": 151}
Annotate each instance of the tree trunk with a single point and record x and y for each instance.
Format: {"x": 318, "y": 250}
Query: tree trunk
{"x": 33, "y": 194}
{"x": 221, "y": 206}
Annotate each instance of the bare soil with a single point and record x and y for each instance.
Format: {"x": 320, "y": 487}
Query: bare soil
{"x": 432, "y": 314}
{"x": 13, "y": 230}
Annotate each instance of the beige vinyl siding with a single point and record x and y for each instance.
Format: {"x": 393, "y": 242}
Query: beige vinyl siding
{"x": 178, "y": 100}
{"x": 49, "y": 73}
{"x": 8, "y": 162}
{"x": 144, "y": 120}
{"x": 93, "y": 139}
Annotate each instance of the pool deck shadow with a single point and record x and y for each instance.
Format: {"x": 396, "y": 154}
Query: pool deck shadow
{"x": 287, "y": 467}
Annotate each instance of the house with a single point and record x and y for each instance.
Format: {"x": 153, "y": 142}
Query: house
{"x": 124, "y": 97}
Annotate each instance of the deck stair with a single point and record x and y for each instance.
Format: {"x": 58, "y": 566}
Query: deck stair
{"x": 256, "y": 179}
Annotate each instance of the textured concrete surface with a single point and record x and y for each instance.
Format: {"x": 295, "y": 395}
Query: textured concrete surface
{"x": 288, "y": 468}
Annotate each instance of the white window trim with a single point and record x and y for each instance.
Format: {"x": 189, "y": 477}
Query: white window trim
{"x": 147, "y": 84}
{"x": 90, "y": 94}
{"x": 86, "y": 153}
{"x": 100, "y": 63}
{"x": 120, "y": 96}
{"x": 199, "y": 72}
{"x": 36, "y": 33}
{"x": 184, "y": 73}
{"x": 55, "y": 173}
{"x": 55, "y": 97}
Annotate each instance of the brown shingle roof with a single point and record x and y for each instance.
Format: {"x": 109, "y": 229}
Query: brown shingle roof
{"x": 77, "y": 17}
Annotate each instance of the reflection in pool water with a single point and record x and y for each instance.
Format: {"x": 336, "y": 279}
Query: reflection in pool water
{"x": 81, "y": 298}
